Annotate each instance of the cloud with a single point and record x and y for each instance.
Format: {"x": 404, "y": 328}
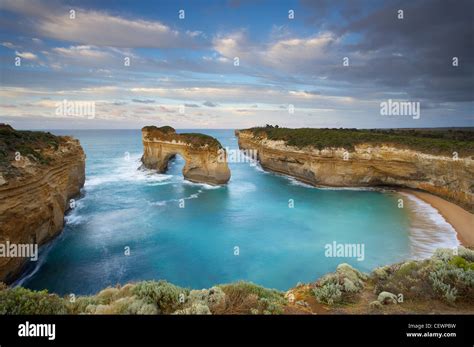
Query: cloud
{"x": 285, "y": 64}
{"x": 80, "y": 52}
{"x": 290, "y": 52}
{"x": 166, "y": 109}
{"x": 209, "y": 104}
{"x": 99, "y": 28}
{"x": 282, "y": 55}
{"x": 144, "y": 101}
{"x": 9, "y": 45}
{"x": 26, "y": 55}
{"x": 418, "y": 56}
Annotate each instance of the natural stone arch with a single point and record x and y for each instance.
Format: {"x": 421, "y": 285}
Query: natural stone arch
{"x": 205, "y": 159}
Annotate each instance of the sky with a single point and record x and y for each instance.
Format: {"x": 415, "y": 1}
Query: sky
{"x": 235, "y": 64}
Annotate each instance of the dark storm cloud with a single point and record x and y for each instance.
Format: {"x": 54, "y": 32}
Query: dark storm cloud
{"x": 321, "y": 10}
{"x": 413, "y": 54}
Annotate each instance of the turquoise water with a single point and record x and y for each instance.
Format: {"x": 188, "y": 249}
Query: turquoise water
{"x": 194, "y": 246}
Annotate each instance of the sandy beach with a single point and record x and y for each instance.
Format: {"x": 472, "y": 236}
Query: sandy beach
{"x": 461, "y": 220}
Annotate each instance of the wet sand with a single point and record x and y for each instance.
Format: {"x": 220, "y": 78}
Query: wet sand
{"x": 461, "y": 220}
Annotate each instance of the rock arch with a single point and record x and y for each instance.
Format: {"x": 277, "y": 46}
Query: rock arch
{"x": 205, "y": 159}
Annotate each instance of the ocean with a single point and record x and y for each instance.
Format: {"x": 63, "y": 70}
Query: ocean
{"x": 130, "y": 225}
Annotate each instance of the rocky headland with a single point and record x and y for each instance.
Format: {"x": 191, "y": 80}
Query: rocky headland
{"x": 39, "y": 174}
{"x": 439, "y": 162}
{"x": 204, "y": 156}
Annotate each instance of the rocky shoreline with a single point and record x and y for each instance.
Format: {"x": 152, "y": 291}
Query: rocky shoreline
{"x": 366, "y": 165}
{"x": 40, "y": 174}
{"x": 438, "y": 179}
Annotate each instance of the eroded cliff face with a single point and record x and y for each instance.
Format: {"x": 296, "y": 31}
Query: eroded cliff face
{"x": 205, "y": 158}
{"x": 37, "y": 182}
{"x": 368, "y": 165}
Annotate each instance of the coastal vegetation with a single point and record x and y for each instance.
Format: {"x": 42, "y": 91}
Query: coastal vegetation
{"x": 30, "y": 144}
{"x": 193, "y": 139}
{"x": 442, "y": 284}
{"x": 433, "y": 141}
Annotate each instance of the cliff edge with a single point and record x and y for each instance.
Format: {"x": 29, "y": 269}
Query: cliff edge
{"x": 439, "y": 162}
{"x": 39, "y": 174}
{"x": 205, "y": 158}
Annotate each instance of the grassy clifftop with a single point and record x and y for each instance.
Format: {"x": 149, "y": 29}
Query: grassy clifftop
{"x": 168, "y": 133}
{"x": 442, "y": 284}
{"x": 433, "y": 141}
{"x": 37, "y": 146}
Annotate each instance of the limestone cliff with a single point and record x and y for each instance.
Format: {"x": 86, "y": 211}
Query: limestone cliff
{"x": 39, "y": 174}
{"x": 205, "y": 158}
{"x": 367, "y": 164}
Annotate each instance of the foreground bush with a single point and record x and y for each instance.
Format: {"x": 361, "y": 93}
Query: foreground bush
{"x": 166, "y": 296}
{"x": 446, "y": 276}
{"x": 340, "y": 286}
{"x": 248, "y": 298}
{"x": 24, "y": 301}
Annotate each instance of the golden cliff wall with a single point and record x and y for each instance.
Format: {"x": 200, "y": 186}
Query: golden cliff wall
{"x": 33, "y": 203}
{"x": 205, "y": 159}
{"x": 368, "y": 165}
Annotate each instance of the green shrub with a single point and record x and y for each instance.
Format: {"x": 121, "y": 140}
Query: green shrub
{"x": 81, "y": 304}
{"x": 108, "y": 294}
{"x": 339, "y": 287}
{"x": 164, "y": 295}
{"x": 466, "y": 253}
{"x": 430, "y": 141}
{"x": 213, "y": 298}
{"x": 329, "y": 291}
{"x": 462, "y": 263}
{"x": 248, "y": 298}
{"x": 451, "y": 282}
{"x": 24, "y": 301}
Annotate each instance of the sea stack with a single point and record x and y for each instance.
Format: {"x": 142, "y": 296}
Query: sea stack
{"x": 206, "y": 159}
{"x": 39, "y": 174}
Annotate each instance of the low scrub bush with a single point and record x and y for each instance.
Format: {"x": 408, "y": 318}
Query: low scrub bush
{"x": 164, "y": 295}
{"x": 24, "y": 301}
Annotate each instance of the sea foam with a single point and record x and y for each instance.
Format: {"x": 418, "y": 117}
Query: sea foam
{"x": 428, "y": 230}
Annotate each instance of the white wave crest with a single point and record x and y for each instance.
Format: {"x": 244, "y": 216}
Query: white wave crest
{"x": 127, "y": 171}
{"x": 429, "y": 230}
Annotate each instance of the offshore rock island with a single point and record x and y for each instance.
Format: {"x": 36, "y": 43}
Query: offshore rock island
{"x": 204, "y": 156}
{"x": 39, "y": 174}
